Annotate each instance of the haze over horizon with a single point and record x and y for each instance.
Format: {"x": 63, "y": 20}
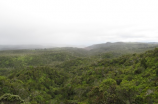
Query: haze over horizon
{"x": 77, "y": 23}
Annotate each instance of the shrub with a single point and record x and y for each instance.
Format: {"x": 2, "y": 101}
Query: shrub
{"x": 11, "y": 99}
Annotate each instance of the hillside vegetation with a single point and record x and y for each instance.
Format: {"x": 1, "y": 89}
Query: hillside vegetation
{"x": 77, "y": 76}
{"x": 122, "y": 47}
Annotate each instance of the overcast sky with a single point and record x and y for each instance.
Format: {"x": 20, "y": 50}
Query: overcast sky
{"x": 77, "y": 22}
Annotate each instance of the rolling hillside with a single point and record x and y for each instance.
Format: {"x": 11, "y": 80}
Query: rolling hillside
{"x": 121, "y": 47}
{"x": 77, "y": 76}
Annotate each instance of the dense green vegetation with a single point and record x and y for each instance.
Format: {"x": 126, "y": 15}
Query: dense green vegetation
{"x": 77, "y": 76}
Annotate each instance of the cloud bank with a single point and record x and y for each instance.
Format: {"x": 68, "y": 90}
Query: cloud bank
{"x": 77, "y": 23}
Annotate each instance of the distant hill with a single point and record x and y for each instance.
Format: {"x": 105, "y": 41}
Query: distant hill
{"x": 104, "y": 50}
{"x": 122, "y": 47}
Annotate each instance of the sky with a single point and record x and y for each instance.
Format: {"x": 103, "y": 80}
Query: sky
{"x": 77, "y": 22}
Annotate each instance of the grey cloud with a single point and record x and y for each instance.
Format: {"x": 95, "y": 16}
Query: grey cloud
{"x": 76, "y": 34}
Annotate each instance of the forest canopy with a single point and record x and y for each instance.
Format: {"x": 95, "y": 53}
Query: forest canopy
{"x": 79, "y": 76}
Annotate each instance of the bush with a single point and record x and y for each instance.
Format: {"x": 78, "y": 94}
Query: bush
{"x": 11, "y": 99}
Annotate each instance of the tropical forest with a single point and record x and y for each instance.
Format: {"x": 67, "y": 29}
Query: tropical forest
{"x": 108, "y": 73}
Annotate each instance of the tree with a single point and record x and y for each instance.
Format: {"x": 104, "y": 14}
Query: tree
{"x": 127, "y": 91}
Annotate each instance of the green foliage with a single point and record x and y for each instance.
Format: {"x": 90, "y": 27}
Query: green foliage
{"x": 127, "y": 91}
{"x": 11, "y": 99}
{"x": 72, "y": 76}
{"x": 139, "y": 70}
